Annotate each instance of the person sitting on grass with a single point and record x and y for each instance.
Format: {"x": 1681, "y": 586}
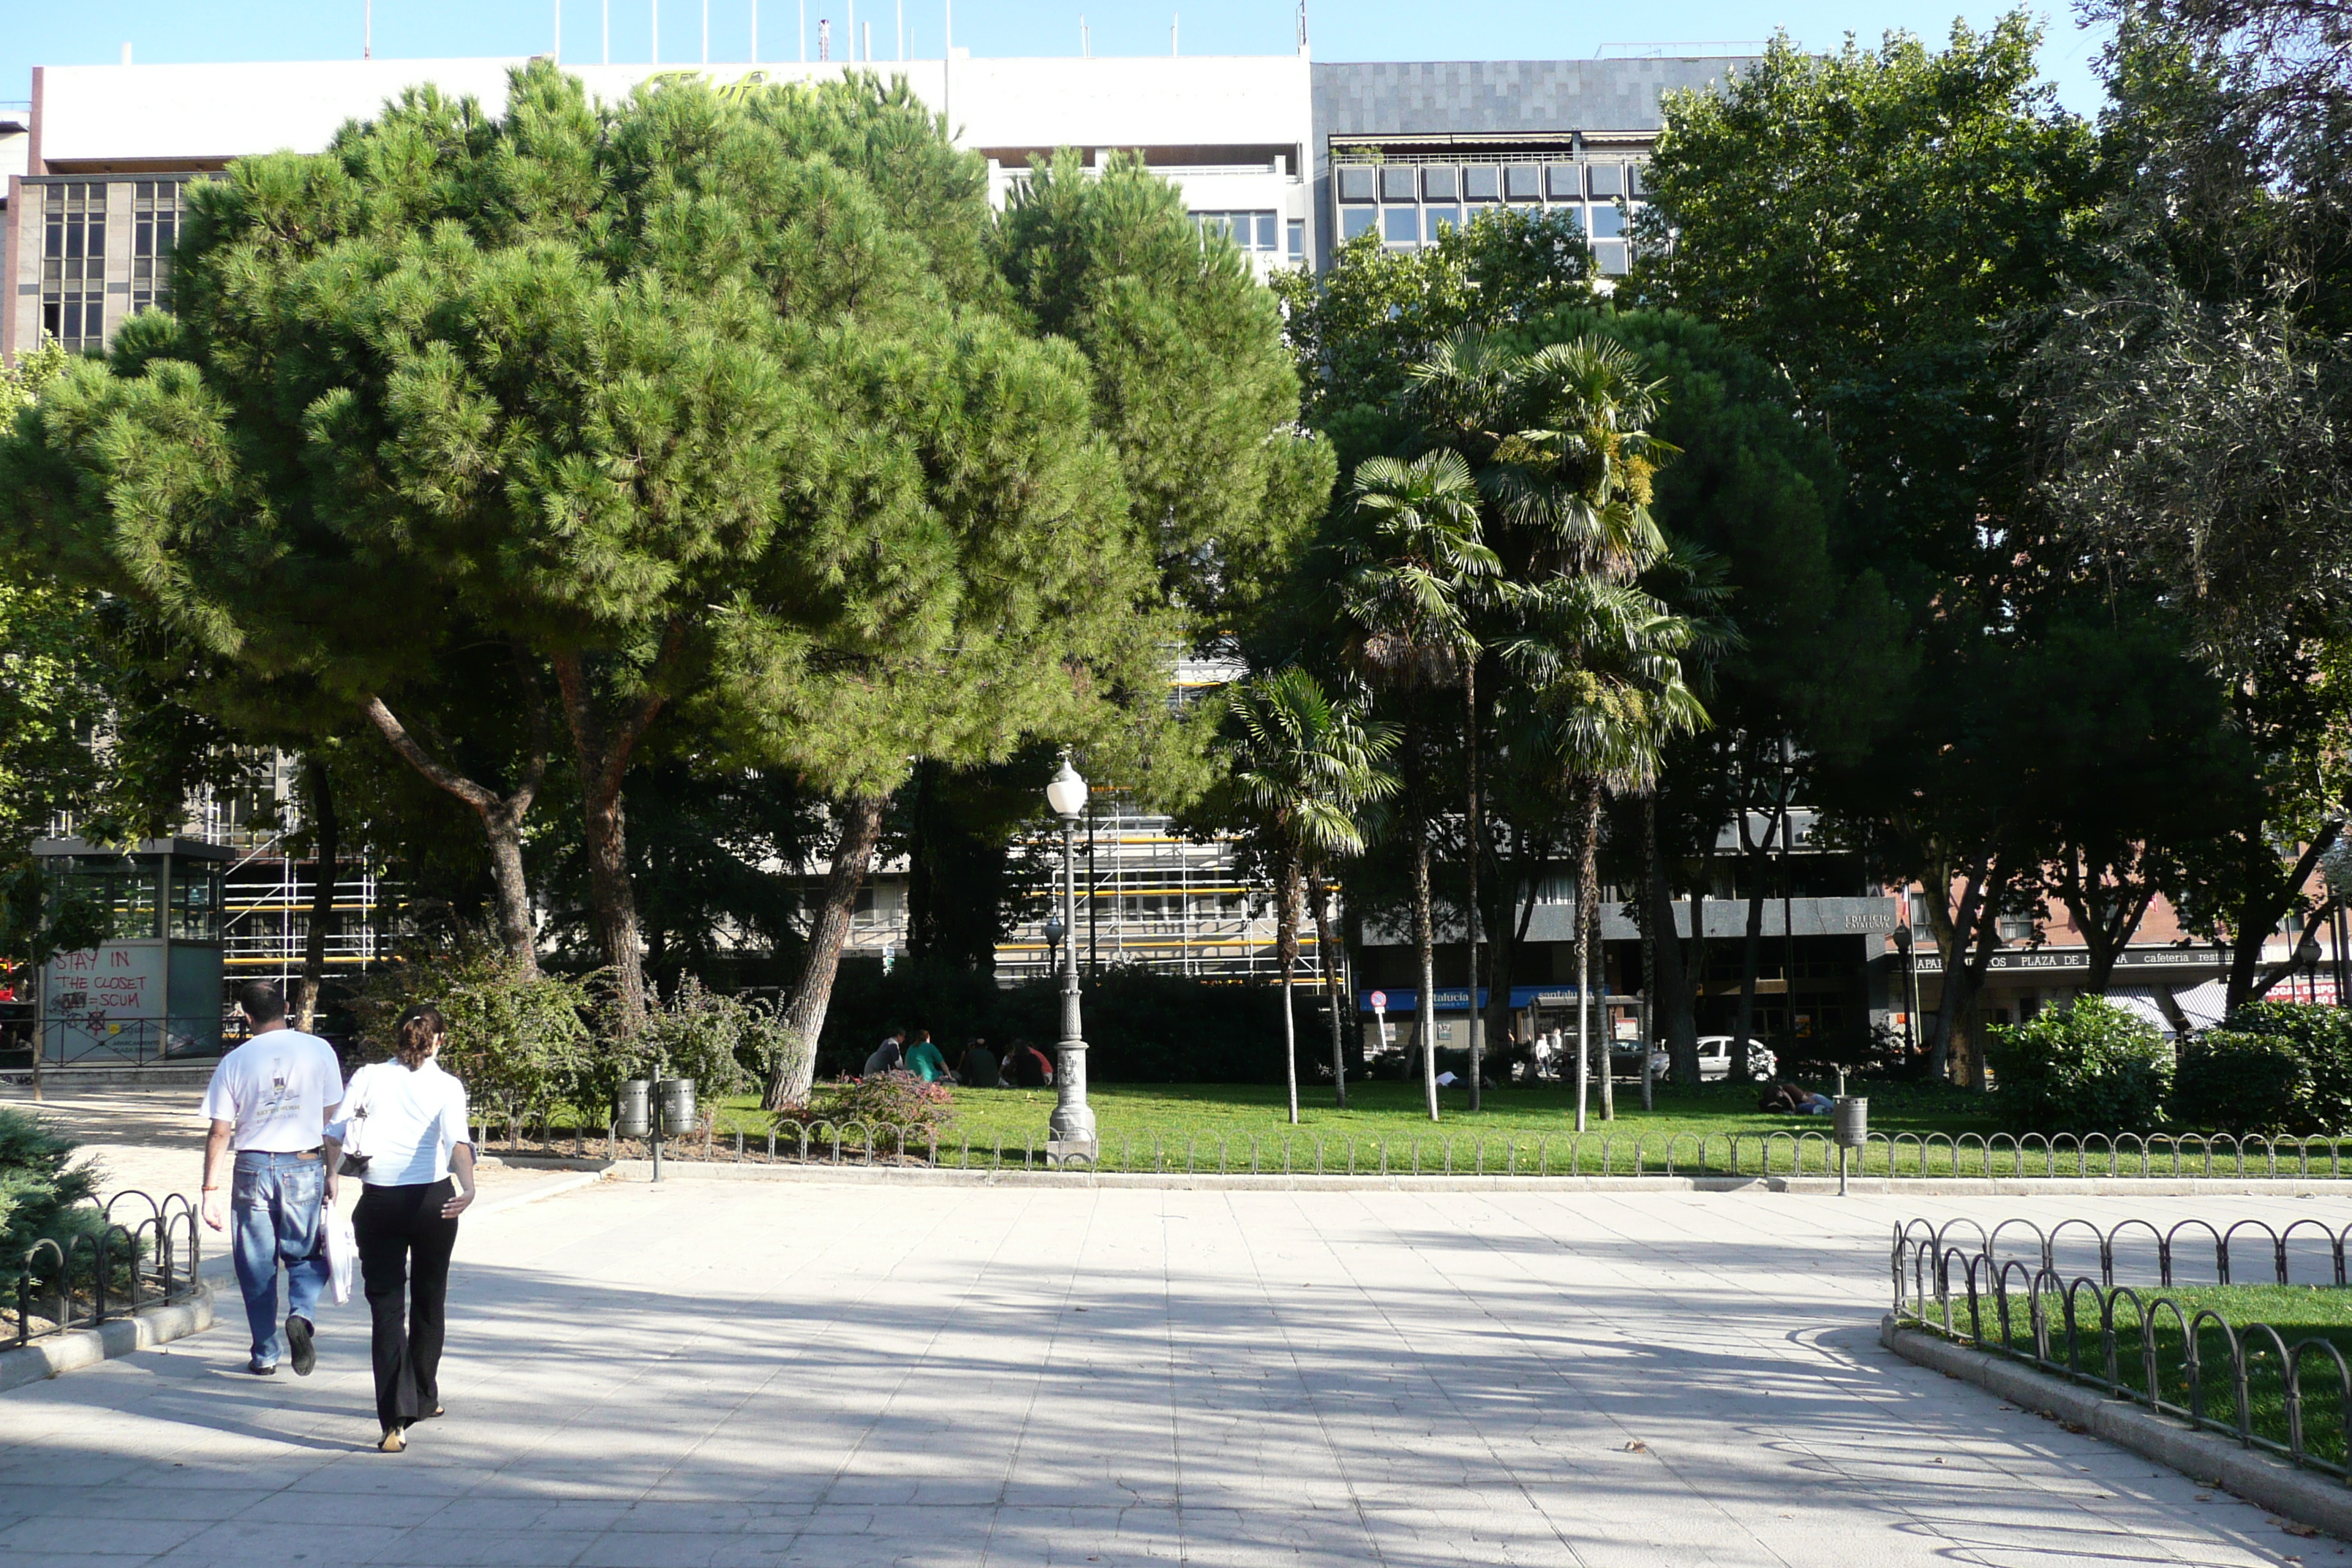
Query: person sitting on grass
{"x": 924, "y": 1060}
{"x": 890, "y": 1056}
{"x": 978, "y": 1069}
{"x": 1025, "y": 1067}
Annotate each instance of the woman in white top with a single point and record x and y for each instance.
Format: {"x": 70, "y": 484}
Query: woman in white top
{"x": 405, "y": 1120}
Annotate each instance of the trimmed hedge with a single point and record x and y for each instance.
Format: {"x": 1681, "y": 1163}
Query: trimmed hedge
{"x": 2093, "y": 1068}
{"x": 2275, "y": 1067}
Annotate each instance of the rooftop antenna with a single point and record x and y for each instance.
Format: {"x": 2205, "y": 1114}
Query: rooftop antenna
{"x": 1302, "y": 26}
{"x": 367, "y": 31}
{"x": 825, "y": 38}
{"x": 1173, "y": 17}
{"x": 1086, "y": 47}
{"x": 869, "y": 43}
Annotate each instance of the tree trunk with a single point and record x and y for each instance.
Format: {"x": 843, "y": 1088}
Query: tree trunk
{"x": 861, "y": 828}
{"x": 1961, "y": 937}
{"x": 604, "y": 750}
{"x": 1286, "y": 948}
{"x": 1318, "y": 893}
{"x": 1679, "y": 1022}
{"x": 1589, "y": 956}
{"x": 1424, "y": 1022}
{"x": 2259, "y": 914}
{"x": 1752, "y": 862}
{"x": 502, "y": 820}
{"x": 1470, "y": 903}
{"x": 325, "y": 853}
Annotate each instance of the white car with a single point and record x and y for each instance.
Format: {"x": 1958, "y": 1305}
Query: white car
{"x": 1714, "y": 1058}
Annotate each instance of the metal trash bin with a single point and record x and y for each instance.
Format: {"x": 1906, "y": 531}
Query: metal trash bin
{"x": 1849, "y": 1129}
{"x": 632, "y": 1118}
{"x": 678, "y": 1107}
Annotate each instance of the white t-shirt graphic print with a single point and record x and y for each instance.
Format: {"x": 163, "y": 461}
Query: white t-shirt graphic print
{"x": 275, "y": 1091}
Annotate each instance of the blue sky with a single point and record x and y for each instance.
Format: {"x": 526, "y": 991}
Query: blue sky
{"x": 92, "y": 32}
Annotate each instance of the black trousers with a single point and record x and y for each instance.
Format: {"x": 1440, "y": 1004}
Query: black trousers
{"x": 404, "y": 1247}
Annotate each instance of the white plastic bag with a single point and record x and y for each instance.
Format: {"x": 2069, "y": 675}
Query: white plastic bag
{"x": 342, "y": 1256}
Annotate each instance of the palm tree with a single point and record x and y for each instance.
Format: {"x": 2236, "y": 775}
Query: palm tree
{"x": 1303, "y": 767}
{"x": 1604, "y": 662}
{"x": 1406, "y": 595}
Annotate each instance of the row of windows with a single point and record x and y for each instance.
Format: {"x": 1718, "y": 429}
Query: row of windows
{"x": 73, "y": 256}
{"x": 1486, "y": 182}
{"x": 1414, "y": 225}
{"x": 1257, "y": 232}
{"x": 1402, "y": 227}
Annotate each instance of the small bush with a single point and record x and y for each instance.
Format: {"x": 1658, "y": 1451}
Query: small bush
{"x": 2093, "y": 1068}
{"x": 40, "y": 1198}
{"x": 886, "y": 1099}
{"x": 2275, "y": 1067}
{"x": 518, "y": 1044}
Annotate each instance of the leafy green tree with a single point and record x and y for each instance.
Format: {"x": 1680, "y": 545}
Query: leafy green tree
{"x": 1193, "y": 387}
{"x": 1304, "y": 769}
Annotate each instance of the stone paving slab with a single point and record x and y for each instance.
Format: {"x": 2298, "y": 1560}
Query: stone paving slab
{"x": 854, "y": 1375}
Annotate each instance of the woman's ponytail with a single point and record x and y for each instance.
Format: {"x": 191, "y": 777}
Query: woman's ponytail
{"x": 413, "y": 1041}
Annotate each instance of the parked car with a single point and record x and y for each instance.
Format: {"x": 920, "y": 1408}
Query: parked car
{"x": 1714, "y": 1058}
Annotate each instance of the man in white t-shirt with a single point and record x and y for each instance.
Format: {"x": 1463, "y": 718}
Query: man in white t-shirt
{"x": 269, "y": 1100}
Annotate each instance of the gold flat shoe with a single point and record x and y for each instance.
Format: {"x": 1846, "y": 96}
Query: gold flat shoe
{"x": 393, "y": 1442}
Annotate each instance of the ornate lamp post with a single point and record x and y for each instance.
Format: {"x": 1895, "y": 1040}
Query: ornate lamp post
{"x": 1910, "y": 978}
{"x": 1070, "y": 1135}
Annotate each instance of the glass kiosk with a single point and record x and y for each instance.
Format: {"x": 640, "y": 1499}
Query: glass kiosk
{"x": 152, "y": 992}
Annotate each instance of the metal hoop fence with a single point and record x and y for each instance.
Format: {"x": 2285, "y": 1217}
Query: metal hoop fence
{"x": 2244, "y": 1380}
{"x": 1777, "y": 1153}
{"x": 146, "y": 1255}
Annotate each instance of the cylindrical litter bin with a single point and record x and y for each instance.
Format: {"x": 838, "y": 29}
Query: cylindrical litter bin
{"x": 1850, "y": 1120}
{"x": 678, "y": 1107}
{"x": 633, "y": 1117}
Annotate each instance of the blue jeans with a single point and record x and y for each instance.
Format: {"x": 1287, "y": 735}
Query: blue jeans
{"x": 274, "y": 1212}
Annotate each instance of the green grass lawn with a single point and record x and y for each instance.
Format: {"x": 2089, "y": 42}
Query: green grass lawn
{"x": 2299, "y": 1312}
{"x": 1917, "y": 1129}
{"x": 1244, "y": 1126}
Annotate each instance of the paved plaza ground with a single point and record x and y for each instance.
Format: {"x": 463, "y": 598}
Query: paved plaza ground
{"x": 709, "y": 1372}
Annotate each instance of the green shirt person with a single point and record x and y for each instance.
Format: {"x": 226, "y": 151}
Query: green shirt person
{"x": 924, "y": 1060}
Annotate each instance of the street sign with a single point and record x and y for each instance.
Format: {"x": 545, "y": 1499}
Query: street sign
{"x": 1379, "y": 1001}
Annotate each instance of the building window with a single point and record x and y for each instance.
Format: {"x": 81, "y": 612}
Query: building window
{"x": 1566, "y": 182}
{"x": 1356, "y": 182}
{"x": 154, "y": 226}
{"x": 1396, "y": 182}
{"x": 1574, "y": 214}
{"x": 1608, "y": 180}
{"x": 1251, "y": 231}
{"x": 1482, "y": 182}
{"x": 1297, "y": 227}
{"x": 1607, "y": 223}
{"x": 1520, "y": 183}
{"x": 1401, "y": 226}
{"x": 1451, "y": 217}
{"x": 73, "y": 266}
{"x": 1438, "y": 184}
{"x": 1354, "y": 221}
{"x": 2017, "y": 928}
{"x": 1609, "y": 254}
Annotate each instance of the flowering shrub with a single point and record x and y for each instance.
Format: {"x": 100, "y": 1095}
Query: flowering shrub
{"x": 886, "y": 1099}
